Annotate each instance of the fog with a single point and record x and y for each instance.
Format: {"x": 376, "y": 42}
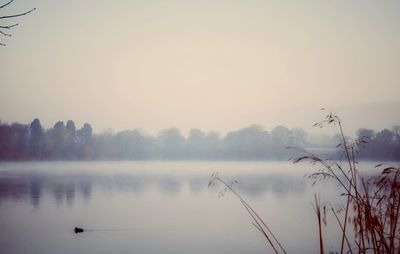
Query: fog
{"x": 212, "y": 65}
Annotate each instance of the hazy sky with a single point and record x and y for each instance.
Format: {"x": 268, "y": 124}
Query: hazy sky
{"x": 217, "y": 65}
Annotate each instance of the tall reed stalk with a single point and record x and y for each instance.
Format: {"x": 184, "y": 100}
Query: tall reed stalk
{"x": 372, "y": 204}
{"x": 258, "y": 222}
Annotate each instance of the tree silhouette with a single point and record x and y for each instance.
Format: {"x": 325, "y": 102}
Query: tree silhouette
{"x": 85, "y": 134}
{"x": 36, "y": 138}
{"x": 4, "y": 29}
{"x": 171, "y": 143}
{"x": 66, "y": 142}
{"x": 69, "y": 149}
{"x": 84, "y": 139}
{"x": 59, "y": 139}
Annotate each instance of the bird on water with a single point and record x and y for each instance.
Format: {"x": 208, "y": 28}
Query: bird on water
{"x": 78, "y": 230}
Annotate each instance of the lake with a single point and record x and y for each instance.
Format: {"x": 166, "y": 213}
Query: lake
{"x": 158, "y": 207}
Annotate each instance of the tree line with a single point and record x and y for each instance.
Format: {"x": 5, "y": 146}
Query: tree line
{"x": 66, "y": 142}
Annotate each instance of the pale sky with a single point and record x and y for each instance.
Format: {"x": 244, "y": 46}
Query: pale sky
{"x": 213, "y": 65}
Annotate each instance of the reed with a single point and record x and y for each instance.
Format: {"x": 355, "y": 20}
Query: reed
{"x": 369, "y": 218}
{"x": 372, "y": 203}
{"x": 257, "y": 222}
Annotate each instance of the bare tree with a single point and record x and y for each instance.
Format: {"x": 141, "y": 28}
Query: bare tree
{"x": 4, "y": 29}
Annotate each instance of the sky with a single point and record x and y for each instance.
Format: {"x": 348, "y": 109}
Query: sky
{"x": 214, "y": 65}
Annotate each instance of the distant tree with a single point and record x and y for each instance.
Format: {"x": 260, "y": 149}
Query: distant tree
{"x": 71, "y": 128}
{"x": 103, "y": 147}
{"x": 368, "y": 150}
{"x": 365, "y": 133}
{"x": 14, "y": 142}
{"x": 4, "y": 28}
{"x": 65, "y": 142}
{"x": 280, "y": 139}
{"x": 396, "y": 131}
{"x": 385, "y": 137}
{"x": 36, "y": 139}
{"x": 70, "y": 145}
{"x": 280, "y": 135}
{"x": 123, "y": 145}
{"x": 143, "y": 145}
{"x": 247, "y": 143}
{"x": 58, "y": 139}
{"x": 385, "y": 144}
{"x": 85, "y": 133}
{"x": 171, "y": 143}
{"x": 131, "y": 145}
{"x": 7, "y": 142}
{"x": 21, "y": 135}
{"x": 85, "y": 141}
{"x": 214, "y": 145}
{"x": 298, "y": 137}
{"x": 196, "y": 144}
{"x": 200, "y": 145}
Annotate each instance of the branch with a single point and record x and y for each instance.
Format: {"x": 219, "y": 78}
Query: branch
{"x": 4, "y": 5}
{"x": 17, "y": 15}
{"x": 5, "y": 34}
{"x": 8, "y": 27}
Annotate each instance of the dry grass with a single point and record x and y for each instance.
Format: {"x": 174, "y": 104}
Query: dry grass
{"x": 372, "y": 204}
{"x": 369, "y": 219}
{"x": 258, "y": 222}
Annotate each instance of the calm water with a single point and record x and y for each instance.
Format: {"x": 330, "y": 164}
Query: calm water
{"x": 156, "y": 207}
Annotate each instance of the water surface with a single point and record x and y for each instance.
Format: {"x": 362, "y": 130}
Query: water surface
{"x": 156, "y": 207}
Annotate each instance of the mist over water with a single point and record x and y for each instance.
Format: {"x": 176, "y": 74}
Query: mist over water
{"x": 147, "y": 207}
{"x": 167, "y": 206}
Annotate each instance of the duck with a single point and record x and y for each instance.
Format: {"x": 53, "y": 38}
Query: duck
{"x": 78, "y": 230}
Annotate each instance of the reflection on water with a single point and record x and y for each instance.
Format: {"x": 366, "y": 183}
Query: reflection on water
{"x": 20, "y": 186}
{"x": 152, "y": 207}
